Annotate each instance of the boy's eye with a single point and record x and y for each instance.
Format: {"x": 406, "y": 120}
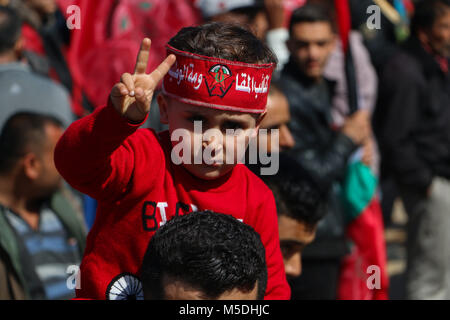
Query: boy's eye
{"x": 232, "y": 125}
{"x": 274, "y": 127}
{"x": 196, "y": 118}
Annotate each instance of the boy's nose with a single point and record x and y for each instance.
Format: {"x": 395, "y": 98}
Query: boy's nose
{"x": 213, "y": 144}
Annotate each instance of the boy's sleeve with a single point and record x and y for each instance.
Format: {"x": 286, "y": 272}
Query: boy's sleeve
{"x": 265, "y": 222}
{"x": 95, "y": 156}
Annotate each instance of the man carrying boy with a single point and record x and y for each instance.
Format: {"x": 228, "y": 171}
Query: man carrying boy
{"x": 220, "y": 78}
{"x": 204, "y": 256}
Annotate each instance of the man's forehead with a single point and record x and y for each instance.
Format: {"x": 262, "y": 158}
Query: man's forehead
{"x": 291, "y": 229}
{"x": 180, "y": 290}
{"x": 277, "y": 113}
{"x": 312, "y": 30}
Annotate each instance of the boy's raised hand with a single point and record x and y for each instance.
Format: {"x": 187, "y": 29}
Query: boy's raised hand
{"x": 132, "y": 96}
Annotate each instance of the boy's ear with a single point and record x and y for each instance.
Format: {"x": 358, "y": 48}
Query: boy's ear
{"x": 163, "y": 106}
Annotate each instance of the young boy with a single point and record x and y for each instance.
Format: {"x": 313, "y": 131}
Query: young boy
{"x": 220, "y": 79}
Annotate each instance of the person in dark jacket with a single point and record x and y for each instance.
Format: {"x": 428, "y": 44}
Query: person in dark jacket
{"x": 322, "y": 151}
{"x": 413, "y": 126}
{"x": 300, "y": 207}
{"x": 42, "y": 235}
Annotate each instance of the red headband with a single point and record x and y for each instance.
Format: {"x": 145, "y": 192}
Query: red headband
{"x": 218, "y": 83}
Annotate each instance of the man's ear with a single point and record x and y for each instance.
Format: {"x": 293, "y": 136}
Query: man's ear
{"x": 31, "y": 166}
{"x": 290, "y": 45}
{"x": 423, "y": 36}
{"x": 163, "y": 106}
{"x": 260, "y": 119}
{"x": 19, "y": 47}
{"x": 334, "y": 41}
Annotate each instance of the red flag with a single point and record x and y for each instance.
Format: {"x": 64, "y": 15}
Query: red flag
{"x": 366, "y": 266}
{"x": 111, "y": 32}
{"x": 344, "y": 21}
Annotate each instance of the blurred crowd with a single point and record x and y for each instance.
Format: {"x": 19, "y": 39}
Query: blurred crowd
{"x": 360, "y": 96}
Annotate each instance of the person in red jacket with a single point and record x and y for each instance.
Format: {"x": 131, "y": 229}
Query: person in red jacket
{"x": 215, "y": 75}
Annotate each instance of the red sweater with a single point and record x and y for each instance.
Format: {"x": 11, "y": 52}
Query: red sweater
{"x": 130, "y": 173}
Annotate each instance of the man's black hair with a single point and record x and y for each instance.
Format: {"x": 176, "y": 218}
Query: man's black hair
{"x": 10, "y": 28}
{"x": 225, "y": 41}
{"x": 250, "y": 11}
{"x": 426, "y": 12}
{"x": 22, "y": 131}
{"x": 296, "y": 194}
{"x": 211, "y": 252}
{"x": 311, "y": 12}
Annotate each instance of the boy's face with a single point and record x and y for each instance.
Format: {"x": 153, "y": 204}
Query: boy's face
{"x": 223, "y": 149}
{"x": 294, "y": 237}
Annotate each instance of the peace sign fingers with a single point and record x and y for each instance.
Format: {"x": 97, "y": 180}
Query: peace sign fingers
{"x": 143, "y": 56}
{"x": 158, "y": 74}
{"x": 132, "y": 96}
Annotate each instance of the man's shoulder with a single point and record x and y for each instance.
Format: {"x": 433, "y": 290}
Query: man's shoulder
{"x": 21, "y": 71}
{"x": 403, "y": 66}
{"x": 31, "y": 81}
{"x": 298, "y": 94}
{"x": 288, "y": 82}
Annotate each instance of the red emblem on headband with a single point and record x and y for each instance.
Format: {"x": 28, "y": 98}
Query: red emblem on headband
{"x": 218, "y": 83}
{"x": 218, "y": 86}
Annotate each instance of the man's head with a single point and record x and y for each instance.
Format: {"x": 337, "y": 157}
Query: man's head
{"x": 431, "y": 24}
{"x": 27, "y": 144}
{"x": 247, "y": 13}
{"x": 277, "y": 118}
{"x": 300, "y": 206}
{"x": 204, "y": 255}
{"x": 10, "y": 33}
{"x": 237, "y": 48}
{"x": 311, "y": 39}
{"x": 42, "y": 7}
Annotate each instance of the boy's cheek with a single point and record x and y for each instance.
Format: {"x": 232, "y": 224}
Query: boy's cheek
{"x": 235, "y": 148}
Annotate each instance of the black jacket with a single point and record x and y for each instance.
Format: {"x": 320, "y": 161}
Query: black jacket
{"x": 412, "y": 118}
{"x": 320, "y": 150}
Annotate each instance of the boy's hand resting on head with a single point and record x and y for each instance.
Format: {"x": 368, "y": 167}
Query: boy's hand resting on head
{"x": 131, "y": 97}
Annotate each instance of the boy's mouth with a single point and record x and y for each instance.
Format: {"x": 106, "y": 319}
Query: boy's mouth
{"x": 215, "y": 164}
